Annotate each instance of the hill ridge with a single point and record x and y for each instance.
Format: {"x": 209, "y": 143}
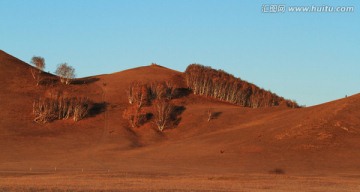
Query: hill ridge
{"x": 4, "y": 56}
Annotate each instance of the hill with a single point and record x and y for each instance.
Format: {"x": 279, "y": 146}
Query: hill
{"x": 318, "y": 140}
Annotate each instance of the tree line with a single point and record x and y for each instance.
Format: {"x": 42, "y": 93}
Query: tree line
{"x": 218, "y": 84}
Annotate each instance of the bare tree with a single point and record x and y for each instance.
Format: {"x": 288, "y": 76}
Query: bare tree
{"x": 138, "y": 94}
{"x": 210, "y": 114}
{"x": 44, "y": 110}
{"x": 131, "y": 93}
{"x": 134, "y": 115}
{"x": 65, "y": 72}
{"x": 49, "y": 109}
{"x": 81, "y": 108}
{"x": 163, "y": 110}
{"x": 39, "y": 63}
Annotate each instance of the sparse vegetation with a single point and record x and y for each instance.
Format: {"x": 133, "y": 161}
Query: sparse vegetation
{"x": 225, "y": 87}
{"x": 65, "y": 72}
{"x": 49, "y": 109}
{"x": 39, "y": 64}
{"x": 155, "y": 94}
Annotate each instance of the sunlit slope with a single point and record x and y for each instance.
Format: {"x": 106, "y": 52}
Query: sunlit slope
{"x": 323, "y": 138}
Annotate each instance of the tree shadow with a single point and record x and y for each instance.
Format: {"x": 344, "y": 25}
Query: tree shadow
{"x": 98, "y": 108}
{"x": 144, "y": 118}
{"x": 149, "y": 116}
{"x": 277, "y": 171}
{"x": 175, "y": 115}
{"x": 181, "y": 92}
{"x": 48, "y": 81}
{"x": 86, "y": 80}
{"x": 134, "y": 138}
{"x": 215, "y": 115}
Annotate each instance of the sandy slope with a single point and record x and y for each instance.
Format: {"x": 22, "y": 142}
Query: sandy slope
{"x": 319, "y": 140}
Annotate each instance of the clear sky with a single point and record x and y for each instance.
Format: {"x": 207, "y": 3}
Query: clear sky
{"x": 309, "y": 57}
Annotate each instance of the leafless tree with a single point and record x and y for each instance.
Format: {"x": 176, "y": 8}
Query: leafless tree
{"x": 161, "y": 90}
{"x": 44, "y": 110}
{"x": 137, "y": 94}
{"x": 210, "y": 114}
{"x": 81, "y": 108}
{"x": 49, "y": 109}
{"x": 65, "y": 72}
{"x": 131, "y": 93}
{"x": 163, "y": 110}
{"x": 39, "y": 64}
{"x": 134, "y": 115}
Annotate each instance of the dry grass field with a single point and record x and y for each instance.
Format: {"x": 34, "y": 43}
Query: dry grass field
{"x": 131, "y": 181}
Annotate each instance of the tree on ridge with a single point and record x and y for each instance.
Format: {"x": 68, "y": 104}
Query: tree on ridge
{"x": 65, "y": 72}
{"x": 39, "y": 63}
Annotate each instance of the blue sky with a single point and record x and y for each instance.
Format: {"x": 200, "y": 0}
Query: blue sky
{"x": 309, "y": 57}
